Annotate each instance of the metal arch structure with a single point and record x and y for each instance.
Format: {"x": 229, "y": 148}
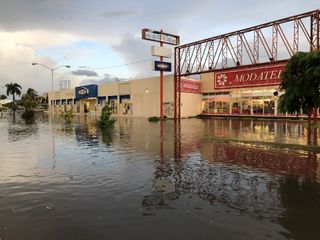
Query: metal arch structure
{"x": 268, "y": 42}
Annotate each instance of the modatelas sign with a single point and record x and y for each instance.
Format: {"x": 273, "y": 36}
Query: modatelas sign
{"x": 262, "y": 75}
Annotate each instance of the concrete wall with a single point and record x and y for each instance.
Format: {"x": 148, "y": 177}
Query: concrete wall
{"x": 191, "y": 104}
{"x": 108, "y": 89}
{"x": 207, "y": 83}
{"x": 62, "y": 94}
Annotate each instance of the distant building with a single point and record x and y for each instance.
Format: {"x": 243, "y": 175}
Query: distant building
{"x": 65, "y": 84}
{"x": 4, "y": 101}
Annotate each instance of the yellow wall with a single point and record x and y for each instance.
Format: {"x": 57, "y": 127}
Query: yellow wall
{"x": 191, "y": 104}
{"x": 62, "y": 94}
{"x": 207, "y": 83}
{"x": 108, "y": 89}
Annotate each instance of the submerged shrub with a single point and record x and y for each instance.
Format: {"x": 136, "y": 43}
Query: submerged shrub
{"x": 67, "y": 116}
{"x": 154, "y": 119}
{"x": 105, "y": 119}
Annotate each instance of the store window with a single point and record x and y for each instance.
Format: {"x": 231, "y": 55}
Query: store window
{"x": 125, "y": 105}
{"x": 257, "y": 105}
{"x": 216, "y": 107}
{"x": 168, "y": 108}
{"x": 269, "y": 107}
{"x": 236, "y": 106}
{"x": 101, "y": 101}
{"x": 113, "y": 100}
{"x": 246, "y": 106}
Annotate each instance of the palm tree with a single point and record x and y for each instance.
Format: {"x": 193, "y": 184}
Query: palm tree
{"x": 13, "y": 89}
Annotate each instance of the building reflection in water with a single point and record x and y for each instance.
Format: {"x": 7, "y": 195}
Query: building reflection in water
{"x": 264, "y": 181}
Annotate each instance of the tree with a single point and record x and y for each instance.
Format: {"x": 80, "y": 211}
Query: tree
{"x": 301, "y": 82}
{"x": 105, "y": 118}
{"x": 13, "y": 89}
{"x": 3, "y": 96}
{"x": 29, "y": 101}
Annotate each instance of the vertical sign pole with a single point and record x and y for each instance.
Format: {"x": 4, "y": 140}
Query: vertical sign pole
{"x": 161, "y": 79}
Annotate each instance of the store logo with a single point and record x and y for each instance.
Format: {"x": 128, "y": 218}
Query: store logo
{"x": 222, "y": 79}
{"x": 83, "y": 91}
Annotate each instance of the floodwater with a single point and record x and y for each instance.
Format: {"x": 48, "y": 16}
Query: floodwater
{"x": 207, "y": 179}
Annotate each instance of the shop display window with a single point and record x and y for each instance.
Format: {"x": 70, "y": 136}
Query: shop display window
{"x": 246, "y": 107}
{"x": 268, "y": 107}
{"x": 257, "y": 107}
{"x": 235, "y": 108}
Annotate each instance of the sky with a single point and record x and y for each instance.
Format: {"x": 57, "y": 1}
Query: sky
{"x": 101, "y": 39}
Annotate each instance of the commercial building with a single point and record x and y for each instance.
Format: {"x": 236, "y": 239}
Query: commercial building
{"x": 244, "y": 91}
{"x": 137, "y": 98}
{"x": 239, "y": 91}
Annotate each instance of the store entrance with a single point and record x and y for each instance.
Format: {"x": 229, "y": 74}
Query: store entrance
{"x": 88, "y": 105}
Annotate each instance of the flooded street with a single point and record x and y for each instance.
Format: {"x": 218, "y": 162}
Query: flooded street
{"x": 208, "y": 179}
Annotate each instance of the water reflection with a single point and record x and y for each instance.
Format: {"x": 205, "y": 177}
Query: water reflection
{"x": 301, "y": 201}
{"x": 231, "y": 179}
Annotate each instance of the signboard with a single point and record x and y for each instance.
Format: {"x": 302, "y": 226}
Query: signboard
{"x": 160, "y": 51}
{"x": 83, "y": 91}
{"x": 162, "y": 66}
{"x": 158, "y": 36}
{"x": 263, "y": 75}
{"x": 190, "y": 86}
{"x": 89, "y": 91}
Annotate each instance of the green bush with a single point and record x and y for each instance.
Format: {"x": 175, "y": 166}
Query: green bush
{"x": 154, "y": 119}
{"x": 67, "y": 116}
{"x": 105, "y": 119}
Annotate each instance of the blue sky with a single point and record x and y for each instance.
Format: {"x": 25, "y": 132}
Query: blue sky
{"x": 100, "y": 34}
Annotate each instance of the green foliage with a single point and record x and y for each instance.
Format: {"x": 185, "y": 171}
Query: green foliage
{"x": 13, "y": 89}
{"x": 105, "y": 119}
{"x": 154, "y": 119}
{"x": 67, "y": 116}
{"x": 2, "y": 96}
{"x": 12, "y": 105}
{"x": 28, "y": 100}
{"x": 301, "y": 82}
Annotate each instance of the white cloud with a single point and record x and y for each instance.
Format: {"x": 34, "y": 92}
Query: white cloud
{"x": 26, "y": 26}
{"x": 38, "y": 38}
{"x": 15, "y": 66}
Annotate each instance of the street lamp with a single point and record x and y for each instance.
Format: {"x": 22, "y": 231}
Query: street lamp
{"x": 51, "y": 69}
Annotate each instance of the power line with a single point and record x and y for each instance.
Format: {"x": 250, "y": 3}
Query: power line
{"x": 122, "y": 65}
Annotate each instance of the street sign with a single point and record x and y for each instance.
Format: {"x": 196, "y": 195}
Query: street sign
{"x": 161, "y": 52}
{"x": 162, "y": 66}
{"x": 159, "y": 36}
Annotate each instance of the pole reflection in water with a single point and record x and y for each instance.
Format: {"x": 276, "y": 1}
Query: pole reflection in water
{"x": 251, "y": 179}
{"x": 228, "y": 179}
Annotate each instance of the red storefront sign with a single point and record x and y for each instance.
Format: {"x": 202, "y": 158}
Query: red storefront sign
{"x": 190, "y": 86}
{"x": 263, "y": 75}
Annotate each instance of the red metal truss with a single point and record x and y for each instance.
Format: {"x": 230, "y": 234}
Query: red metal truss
{"x": 268, "y": 42}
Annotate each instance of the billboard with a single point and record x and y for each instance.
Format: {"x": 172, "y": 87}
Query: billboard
{"x": 262, "y": 75}
{"x": 159, "y": 36}
{"x": 160, "y": 51}
{"x": 190, "y": 86}
{"x": 88, "y": 91}
{"x": 162, "y": 66}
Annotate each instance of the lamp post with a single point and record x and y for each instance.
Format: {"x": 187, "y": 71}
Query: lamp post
{"x": 51, "y": 69}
